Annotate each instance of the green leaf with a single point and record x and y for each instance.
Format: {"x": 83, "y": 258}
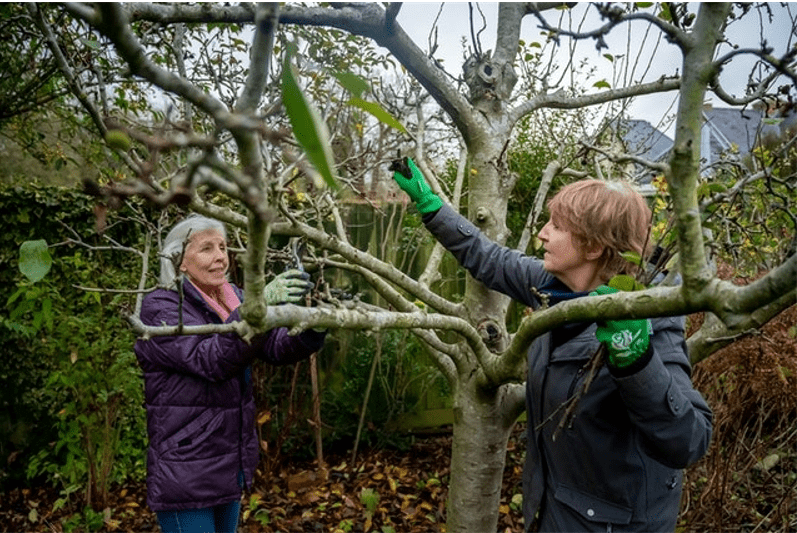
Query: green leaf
{"x": 378, "y": 111}
{"x": 309, "y": 129}
{"x": 665, "y": 13}
{"x": 353, "y": 83}
{"x": 610, "y": 57}
{"x": 47, "y": 313}
{"x": 632, "y": 257}
{"x": 603, "y": 84}
{"x": 91, "y": 43}
{"x": 622, "y": 282}
{"x": 34, "y": 260}
{"x": 13, "y": 298}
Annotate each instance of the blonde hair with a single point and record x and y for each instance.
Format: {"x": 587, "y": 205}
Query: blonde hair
{"x": 608, "y": 214}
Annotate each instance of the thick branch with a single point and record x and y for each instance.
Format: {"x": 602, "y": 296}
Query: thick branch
{"x": 782, "y": 280}
{"x": 303, "y": 318}
{"x": 660, "y": 301}
{"x": 369, "y": 20}
{"x": 510, "y": 16}
{"x": 714, "y": 335}
{"x": 740, "y": 308}
{"x": 561, "y": 100}
{"x": 266, "y": 17}
{"x": 381, "y": 268}
{"x": 198, "y": 13}
{"x": 684, "y": 170}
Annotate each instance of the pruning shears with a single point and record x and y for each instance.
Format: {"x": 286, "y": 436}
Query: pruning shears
{"x": 401, "y": 166}
{"x": 297, "y": 249}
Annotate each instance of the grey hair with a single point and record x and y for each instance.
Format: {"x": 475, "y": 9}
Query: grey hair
{"x": 174, "y": 244}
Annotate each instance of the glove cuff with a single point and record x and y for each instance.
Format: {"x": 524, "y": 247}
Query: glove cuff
{"x": 638, "y": 364}
{"x": 429, "y": 203}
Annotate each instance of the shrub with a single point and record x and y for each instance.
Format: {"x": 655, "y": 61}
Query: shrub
{"x": 73, "y": 408}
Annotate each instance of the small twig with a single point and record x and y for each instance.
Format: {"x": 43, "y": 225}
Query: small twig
{"x": 541, "y": 296}
{"x": 731, "y": 338}
{"x": 368, "y": 387}
{"x": 114, "y": 291}
{"x": 319, "y": 448}
{"x": 569, "y": 407}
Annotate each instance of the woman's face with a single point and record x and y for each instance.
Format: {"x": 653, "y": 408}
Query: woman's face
{"x": 565, "y": 258}
{"x": 206, "y": 261}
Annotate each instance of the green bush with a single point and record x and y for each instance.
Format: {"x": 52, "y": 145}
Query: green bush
{"x": 72, "y": 410}
{"x": 402, "y": 378}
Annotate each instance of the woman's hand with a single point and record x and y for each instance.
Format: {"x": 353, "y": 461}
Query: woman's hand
{"x": 411, "y": 181}
{"x": 289, "y": 287}
{"x": 626, "y": 341}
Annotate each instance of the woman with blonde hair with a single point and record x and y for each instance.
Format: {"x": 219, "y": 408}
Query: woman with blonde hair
{"x": 618, "y": 466}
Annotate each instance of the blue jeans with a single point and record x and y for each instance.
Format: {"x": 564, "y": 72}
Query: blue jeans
{"x": 219, "y": 519}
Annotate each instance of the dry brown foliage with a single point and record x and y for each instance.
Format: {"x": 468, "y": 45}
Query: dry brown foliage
{"x": 748, "y": 480}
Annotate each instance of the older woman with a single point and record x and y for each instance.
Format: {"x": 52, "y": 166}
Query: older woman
{"x": 203, "y": 447}
{"x": 618, "y": 467}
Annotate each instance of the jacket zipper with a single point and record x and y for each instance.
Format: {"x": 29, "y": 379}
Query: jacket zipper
{"x": 241, "y": 473}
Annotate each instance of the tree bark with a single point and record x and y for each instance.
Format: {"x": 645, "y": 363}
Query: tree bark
{"x": 482, "y": 425}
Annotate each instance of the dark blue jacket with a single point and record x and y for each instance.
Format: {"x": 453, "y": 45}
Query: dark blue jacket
{"x": 200, "y": 409}
{"x": 618, "y": 467}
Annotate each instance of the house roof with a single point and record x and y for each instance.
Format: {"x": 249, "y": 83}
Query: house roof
{"x": 724, "y": 130}
{"x": 645, "y": 141}
{"x": 728, "y": 128}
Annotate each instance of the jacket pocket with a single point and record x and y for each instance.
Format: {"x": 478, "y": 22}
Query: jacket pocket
{"x": 593, "y": 509}
{"x": 193, "y": 433}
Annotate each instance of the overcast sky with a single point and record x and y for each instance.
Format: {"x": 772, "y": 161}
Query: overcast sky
{"x": 417, "y": 19}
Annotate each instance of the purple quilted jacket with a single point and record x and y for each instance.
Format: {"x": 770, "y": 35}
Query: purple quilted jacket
{"x": 200, "y": 408}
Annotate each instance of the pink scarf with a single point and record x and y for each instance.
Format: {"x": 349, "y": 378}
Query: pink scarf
{"x": 230, "y": 299}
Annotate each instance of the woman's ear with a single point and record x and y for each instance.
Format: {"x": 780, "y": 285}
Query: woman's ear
{"x": 595, "y": 252}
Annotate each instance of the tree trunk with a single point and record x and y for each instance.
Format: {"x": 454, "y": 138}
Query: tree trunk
{"x": 478, "y": 456}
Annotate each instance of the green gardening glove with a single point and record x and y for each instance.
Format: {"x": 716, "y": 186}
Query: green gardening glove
{"x": 289, "y": 287}
{"x": 626, "y": 340}
{"x": 411, "y": 181}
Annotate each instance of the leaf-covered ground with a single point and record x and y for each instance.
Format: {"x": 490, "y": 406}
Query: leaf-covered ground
{"x": 385, "y": 491}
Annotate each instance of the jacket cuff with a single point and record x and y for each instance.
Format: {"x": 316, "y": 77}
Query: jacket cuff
{"x": 313, "y": 339}
{"x": 427, "y": 217}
